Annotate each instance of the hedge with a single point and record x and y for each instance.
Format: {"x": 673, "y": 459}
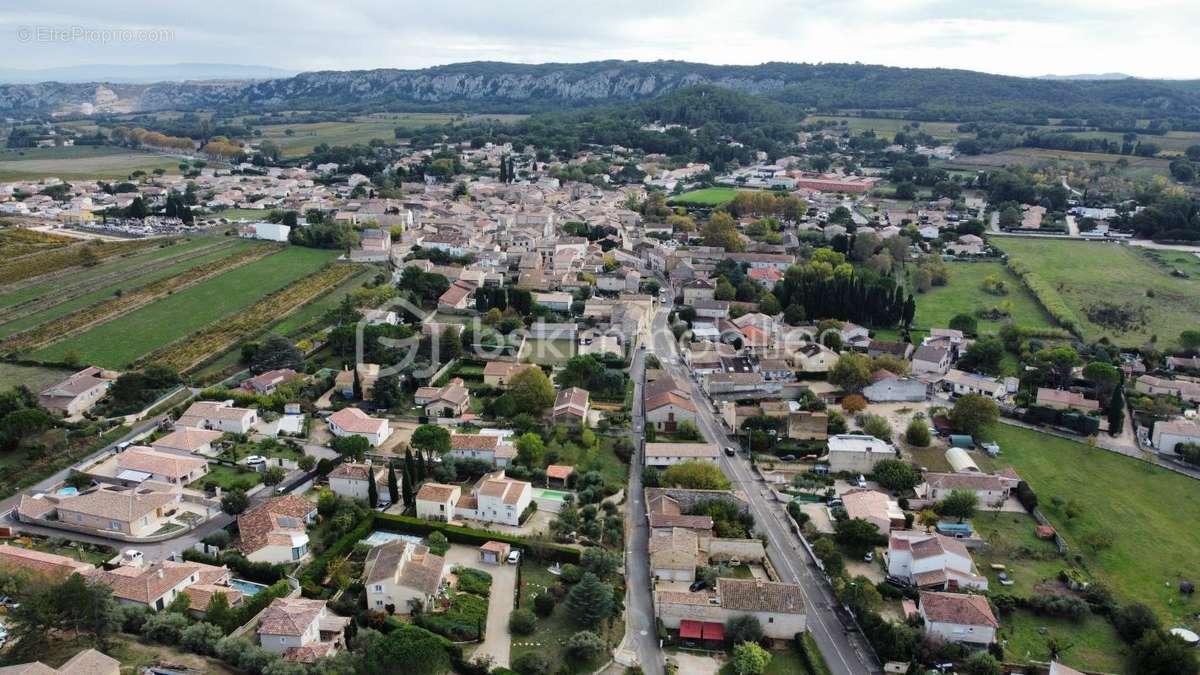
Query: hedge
{"x": 473, "y": 537}
{"x": 312, "y": 576}
{"x": 1046, "y": 296}
{"x": 811, "y": 654}
{"x": 258, "y": 572}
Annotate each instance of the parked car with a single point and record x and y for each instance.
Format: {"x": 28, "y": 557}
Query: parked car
{"x": 514, "y": 557}
{"x": 788, "y": 458}
{"x": 698, "y": 585}
{"x": 869, "y": 557}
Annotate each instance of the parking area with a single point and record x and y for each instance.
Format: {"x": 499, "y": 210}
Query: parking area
{"x": 496, "y": 639}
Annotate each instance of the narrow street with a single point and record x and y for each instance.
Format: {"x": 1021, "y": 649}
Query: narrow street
{"x": 846, "y": 652}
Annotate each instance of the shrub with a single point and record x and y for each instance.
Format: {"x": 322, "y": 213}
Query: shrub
{"x": 473, "y": 537}
{"x": 584, "y": 646}
{"x": 522, "y": 622}
{"x": 532, "y": 663}
{"x": 1132, "y": 621}
{"x": 201, "y": 638}
{"x": 165, "y": 627}
{"x": 473, "y": 581}
{"x": 437, "y": 543}
{"x": 544, "y": 603}
{"x": 1059, "y": 606}
{"x": 917, "y": 434}
{"x": 571, "y": 574}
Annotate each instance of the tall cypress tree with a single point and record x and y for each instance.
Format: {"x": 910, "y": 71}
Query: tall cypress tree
{"x": 504, "y": 169}
{"x": 410, "y": 475}
{"x": 1116, "y": 412}
{"x": 372, "y": 492}
{"x": 393, "y": 486}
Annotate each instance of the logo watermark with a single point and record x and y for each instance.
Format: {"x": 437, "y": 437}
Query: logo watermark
{"x": 67, "y": 34}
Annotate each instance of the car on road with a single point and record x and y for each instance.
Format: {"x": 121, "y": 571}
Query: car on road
{"x": 869, "y": 557}
{"x": 788, "y": 458}
{"x": 729, "y": 451}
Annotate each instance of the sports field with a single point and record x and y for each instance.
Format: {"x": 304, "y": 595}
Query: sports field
{"x": 706, "y": 198}
{"x": 123, "y": 340}
{"x": 1098, "y": 281}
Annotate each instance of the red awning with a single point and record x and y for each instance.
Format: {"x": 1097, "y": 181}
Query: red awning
{"x": 689, "y": 630}
{"x": 713, "y": 631}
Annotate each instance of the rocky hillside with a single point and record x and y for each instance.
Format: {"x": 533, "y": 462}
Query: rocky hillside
{"x": 499, "y": 87}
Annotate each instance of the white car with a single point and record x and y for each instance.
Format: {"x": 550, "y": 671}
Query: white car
{"x": 514, "y": 557}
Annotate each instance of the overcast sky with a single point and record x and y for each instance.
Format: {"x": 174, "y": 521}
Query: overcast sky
{"x": 1147, "y": 38}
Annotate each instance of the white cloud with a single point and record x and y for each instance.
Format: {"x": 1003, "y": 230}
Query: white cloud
{"x": 1020, "y": 37}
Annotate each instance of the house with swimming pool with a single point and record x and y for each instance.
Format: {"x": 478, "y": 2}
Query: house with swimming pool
{"x": 496, "y": 498}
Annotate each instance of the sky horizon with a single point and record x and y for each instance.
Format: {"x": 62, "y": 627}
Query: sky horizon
{"x": 1007, "y": 37}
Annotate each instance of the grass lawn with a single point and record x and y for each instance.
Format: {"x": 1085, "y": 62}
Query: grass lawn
{"x": 553, "y": 631}
{"x": 80, "y": 163}
{"x": 72, "y": 550}
{"x": 1148, "y": 512}
{"x": 240, "y": 214}
{"x": 706, "y": 197}
{"x": 1029, "y": 560}
{"x": 1094, "y": 644}
{"x": 121, "y": 341}
{"x": 548, "y": 352}
{"x": 963, "y": 294}
{"x": 887, "y": 126}
{"x": 317, "y": 308}
{"x": 228, "y": 478}
{"x": 135, "y": 280}
{"x": 1086, "y": 273}
{"x": 602, "y": 459}
{"x": 36, "y": 378}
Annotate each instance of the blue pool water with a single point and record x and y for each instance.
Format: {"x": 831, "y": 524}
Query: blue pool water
{"x": 68, "y": 491}
{"x": 380, "y": 537}
{"x": 248, "y": 588}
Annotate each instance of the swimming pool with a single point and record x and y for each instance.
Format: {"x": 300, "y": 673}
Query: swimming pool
{"x": 553, "y": 495}
{"x": 380, "y": 537}
{"x": 68, "y": 491}
{"x": 248, "y": 588}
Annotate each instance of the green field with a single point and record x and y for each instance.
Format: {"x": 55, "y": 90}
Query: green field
{"x": 1148, "y": 512}
{"x": 123, "y": 340}
{"x": 963, "y": 294}
{"x": 305, "y": 137}
{"x": 1094, "y": 643}
{"x": 1088, "y": 273}
{"x": 134, "y": 280}
{"x": 239, "y": 214}
{"x": 886, "y": 126}
{"x": 36, "y": 378}
{"x": 707, "y": 197}
{"x": 83, "y": 162}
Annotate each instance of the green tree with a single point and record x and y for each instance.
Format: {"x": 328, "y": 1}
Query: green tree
{"x": 590, "y": 601}
{"x": 695, "y": 475}
{"x": 856, "y": 535}
{"x": 410, "y": 479}
{"x": 531, "y": 450}
{"x": 894, "y": 474}
{"x": 918, "y": 434}
{"x": 959, "y": 504}
{"x": 274, "y": 475}
{"x": 387, "y": 392}
{"x": 522, "y": 621}
{"x": 1132, "y": 621}
{"x": 981, "y": 663}
{"x": 531, "y": 391}
{"x": 432, "y": 439}
{"x": 372, "y": 492}
{"x": 1104, "y": 376}
{"x": 974, "y": 413}
{"x": 601, "y": 562}
{"x": 275, "y": 353}
{"x": 416, "y": 648}
{"x": 584, "y": 646}
{"x": 1189, "y": 340}
{"x": 1116, "y": 412}
{"x": 220, "y": 614}
{"x": 724, "y": 290}
{"x": 860, "y": 595}
{"x": 877, "y": 426}
{"x": 393, "y": 485}
{"x": 1158, "y": 652}
{"x": 744, "y": 628}
{"x": 965, "y": 323}
{"x": 234, "y": 501}
{"x": 852, "y": 372}
{"x": 750, "y": 659}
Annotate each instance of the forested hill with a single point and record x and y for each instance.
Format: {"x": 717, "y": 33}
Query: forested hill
{"x": 499, "y": 87}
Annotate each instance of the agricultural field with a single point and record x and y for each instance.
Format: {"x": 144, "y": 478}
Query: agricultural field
{"x": 707, "y": 197}
{"x": 1114, "y": 291}
{"x": 36, "y": 378}
{"x": 1133, "y": 168}
{"x": 117, "y": 343}
{"x": 304, "y": 137}
{"x": 81, "y": 162}
{"x": 1133, "y": 522}
{"x": 887, "y": 126}
{"x": 36, "y": 266}
{"x": 964, "y": 294}
{"x": 18, "y": 312}
{"x": 18, "y": 241}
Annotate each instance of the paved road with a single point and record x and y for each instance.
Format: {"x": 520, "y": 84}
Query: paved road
{"x": 846, "y": 653}
{"x": 641, "y": 637}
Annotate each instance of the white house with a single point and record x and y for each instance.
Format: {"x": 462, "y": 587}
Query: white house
{"x": 354, "y": 422}
{"x": 931, "y": 560}
{"x": 857, "y": 453}
{"x": 961, "y": 618}
{"x": 492, "y": 448}
{"x": 495, "y": 498}
{"x": 436, "y": 501}
{"x": 1170, "y": 434}
{"x": 140, "y": 463}
{"x": 301, "y": 630}
{"x": 78, "y": 393}
{"x": 399, "y": 575}
{"x": 992, "y": 490}
{"x": 218, "y": 416}
{"x": 666, "y": 454}
{"x": 265, "y": 231}
{"x": 779, "y": 607}
{"x": 930, "y": 360}
{"x": 874, "y": 507}
{"x": 969, "y": 383}
{"x": 353, "y": 480}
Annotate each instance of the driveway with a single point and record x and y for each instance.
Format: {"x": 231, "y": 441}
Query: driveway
{"x": 497, "y": 641}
